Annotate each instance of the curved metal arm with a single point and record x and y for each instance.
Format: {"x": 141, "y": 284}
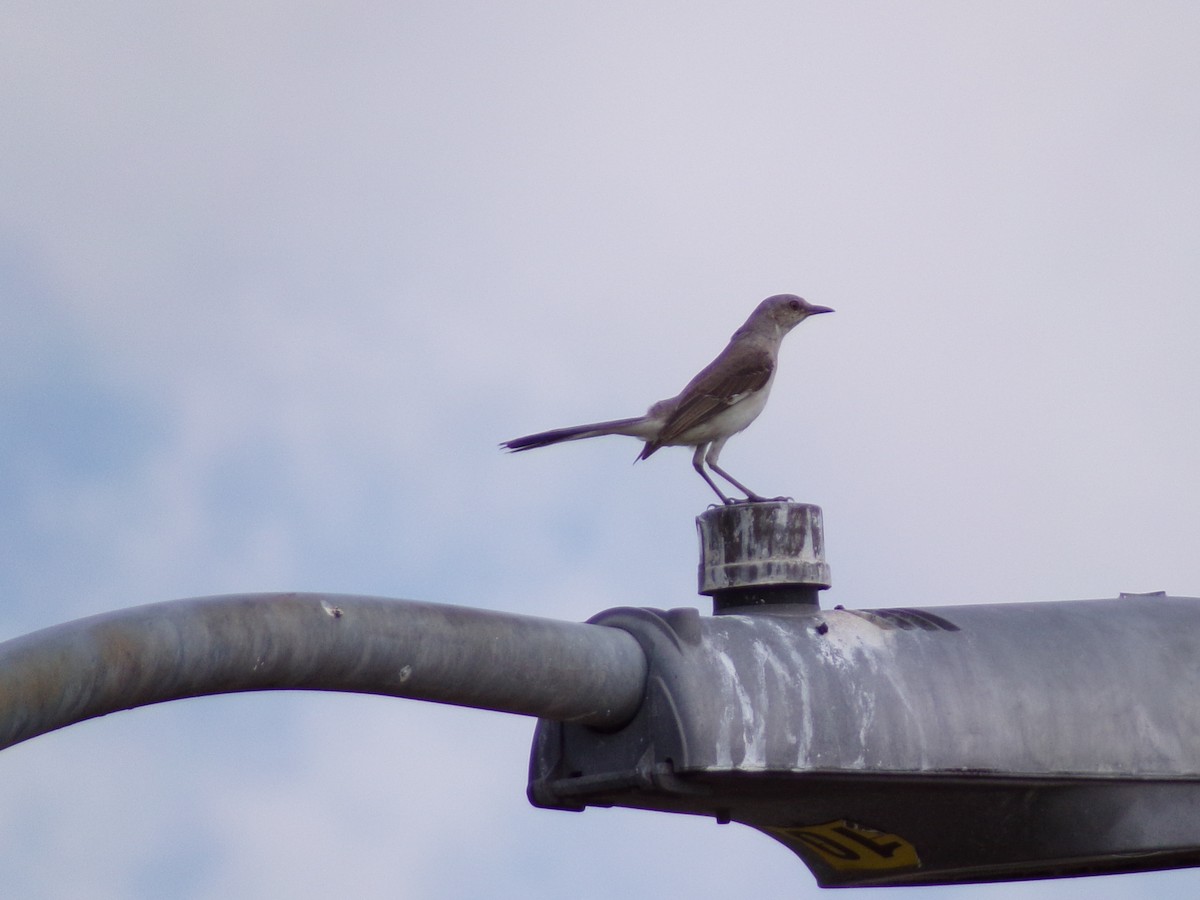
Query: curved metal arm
{"x": 565, "y": 671}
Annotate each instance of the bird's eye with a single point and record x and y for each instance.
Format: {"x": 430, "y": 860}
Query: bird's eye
{"x": 795, "y": 305}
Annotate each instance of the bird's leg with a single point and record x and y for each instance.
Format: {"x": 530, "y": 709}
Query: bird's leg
{"x": 711, "y": 458}
{"x": 750, "y": 495}
{"x": 698, "y": 465}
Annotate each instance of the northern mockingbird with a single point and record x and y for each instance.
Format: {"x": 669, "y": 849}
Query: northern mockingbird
{"x": 722, "y": 400}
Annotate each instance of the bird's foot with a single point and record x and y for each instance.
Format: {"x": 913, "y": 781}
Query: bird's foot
{"x": 753, "y": 498}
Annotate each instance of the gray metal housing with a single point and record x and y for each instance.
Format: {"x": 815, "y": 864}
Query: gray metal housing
{"x": 899, "y": 746}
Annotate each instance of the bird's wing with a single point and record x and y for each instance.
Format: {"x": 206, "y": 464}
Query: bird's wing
{"x": 725, "y": 381}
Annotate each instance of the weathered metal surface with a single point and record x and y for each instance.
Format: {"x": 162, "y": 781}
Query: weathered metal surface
{"x": 187, "y": 648}
{"x": 997, "y": 741}
{"x": 759, "y": 553}
{"x": 885, "y": 746}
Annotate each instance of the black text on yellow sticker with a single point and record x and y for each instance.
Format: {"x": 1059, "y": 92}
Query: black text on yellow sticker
{"x": 848, "y": 847}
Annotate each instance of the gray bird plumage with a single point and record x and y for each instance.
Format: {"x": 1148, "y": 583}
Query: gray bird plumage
{"x": 723, "y": 399}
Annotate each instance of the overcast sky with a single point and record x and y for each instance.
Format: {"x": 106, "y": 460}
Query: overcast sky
{"x": 276, "y": 278}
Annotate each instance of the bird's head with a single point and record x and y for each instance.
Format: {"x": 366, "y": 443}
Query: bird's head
{"x": 786, "y": 311}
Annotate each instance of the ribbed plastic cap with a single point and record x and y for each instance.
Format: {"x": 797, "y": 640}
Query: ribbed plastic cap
{"x": 759, "y": 553}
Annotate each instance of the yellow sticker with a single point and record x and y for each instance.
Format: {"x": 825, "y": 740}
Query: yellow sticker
{"x": 848, "y": 847}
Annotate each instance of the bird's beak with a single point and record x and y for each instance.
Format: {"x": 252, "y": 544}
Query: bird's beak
{"x": 813, "y": 310}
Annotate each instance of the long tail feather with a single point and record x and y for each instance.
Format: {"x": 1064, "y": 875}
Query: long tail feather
{"x": 575, "y": 433}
